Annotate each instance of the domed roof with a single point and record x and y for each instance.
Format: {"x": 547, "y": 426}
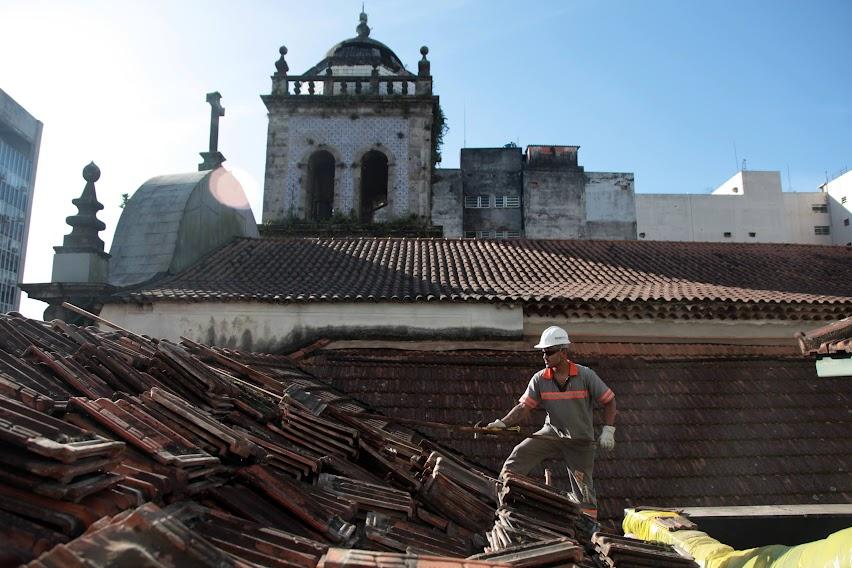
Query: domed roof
{"x": 360, "y": 51}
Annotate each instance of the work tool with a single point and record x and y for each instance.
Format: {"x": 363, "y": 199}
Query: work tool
{"x": 476, "y": 430}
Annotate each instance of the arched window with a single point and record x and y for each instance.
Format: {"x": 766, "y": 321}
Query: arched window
{"x": 374, "y": 184}
{"x": 319, "y": 200}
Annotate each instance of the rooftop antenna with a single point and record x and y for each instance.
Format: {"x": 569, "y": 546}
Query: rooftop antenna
{"x": 789, "y": 180}
{"x": 736, "y": 158}
{"x": 744, "y": 164}
{"x": 464, "y": 122}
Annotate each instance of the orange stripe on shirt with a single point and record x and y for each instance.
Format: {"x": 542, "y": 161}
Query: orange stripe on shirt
{"x": 528, "y": 401}
{"x": 606, "y": 397}
{"x": 564, "y": 395}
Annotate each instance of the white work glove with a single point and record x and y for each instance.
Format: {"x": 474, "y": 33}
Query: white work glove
{"x": 497, "y": 425}
{"x": 607, "y": 439}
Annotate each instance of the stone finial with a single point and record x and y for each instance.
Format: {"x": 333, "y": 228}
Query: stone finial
{"x": 363, "y": 30}
{"x": 85, "y": 225}
{"x": 281, "y": 66}
{"x": 424, "y": 68}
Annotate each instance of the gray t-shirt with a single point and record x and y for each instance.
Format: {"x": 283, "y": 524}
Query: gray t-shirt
{"x": 569, "y": 410}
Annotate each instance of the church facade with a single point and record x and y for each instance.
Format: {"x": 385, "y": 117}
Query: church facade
{"x": 350, "y": 138}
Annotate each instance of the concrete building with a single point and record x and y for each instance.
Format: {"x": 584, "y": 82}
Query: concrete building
{"x": 541, "y": 194}
{"x": 20, "y": 140}
{"x": 749, "y": 208}
{"x": 838, "y": 193}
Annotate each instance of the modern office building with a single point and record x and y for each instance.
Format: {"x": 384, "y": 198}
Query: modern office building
{"x": 20, "y": 139}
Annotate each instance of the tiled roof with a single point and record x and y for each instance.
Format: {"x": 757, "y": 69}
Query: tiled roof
{"x": 543, "y": 275}
{"x": 716, "y": 430}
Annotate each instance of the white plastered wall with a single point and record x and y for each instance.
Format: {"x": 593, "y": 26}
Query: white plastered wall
{"x": 839, "y": 197}
{"x": 750, "y": 207}
{"x": 274, "y": 328}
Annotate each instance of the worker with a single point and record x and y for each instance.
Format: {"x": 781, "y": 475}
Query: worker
{"x": 567, "y": 392}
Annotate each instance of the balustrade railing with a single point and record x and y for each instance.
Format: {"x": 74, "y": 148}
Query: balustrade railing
{"x": 352, "y": 85}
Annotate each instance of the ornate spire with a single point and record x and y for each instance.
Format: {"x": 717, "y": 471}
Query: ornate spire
{"x": 85, "y": 225}
{"x": 363, "y": 30}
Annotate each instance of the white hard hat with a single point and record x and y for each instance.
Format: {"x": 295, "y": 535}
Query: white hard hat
{"x": 553, "y": 336}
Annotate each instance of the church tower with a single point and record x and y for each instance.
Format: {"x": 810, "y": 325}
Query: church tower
{"x": 353, "y": 137}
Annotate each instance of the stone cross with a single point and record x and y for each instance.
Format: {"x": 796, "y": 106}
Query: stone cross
{"x": 216, "y": 110}
{"x": 213, "y": 158}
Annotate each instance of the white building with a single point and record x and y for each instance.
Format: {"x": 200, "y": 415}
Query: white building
{"x": 749, "y": 207}
{"x": 839, "y": 197}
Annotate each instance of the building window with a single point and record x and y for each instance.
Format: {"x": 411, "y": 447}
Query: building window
{"x": 507, "y": 201}
{"x": 479, "y": 234}
{"x": 726, "y": 234}
{"x": 477, "y": 201}
{"x": 641, "y": 235}
{"x": 507, "y": 234}
{"x": 819, "y": 208}
{"x": 822, "y": 230}
{"x": 752, "y": 234}
{"x": 846, "y": 222}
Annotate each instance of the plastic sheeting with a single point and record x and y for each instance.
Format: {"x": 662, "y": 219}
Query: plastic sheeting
{"x": 835, "y": 551}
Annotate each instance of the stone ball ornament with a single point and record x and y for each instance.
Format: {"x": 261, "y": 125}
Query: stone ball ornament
{"x": 91, "y": 173}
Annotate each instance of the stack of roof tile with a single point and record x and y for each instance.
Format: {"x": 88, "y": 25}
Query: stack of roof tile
{"x": 54, "y": 480}
{"x": 258, "y": 463}
{"x": 615, "y": 551}
{"x": 530, "y": 511}
{"x": 554, "y": 552}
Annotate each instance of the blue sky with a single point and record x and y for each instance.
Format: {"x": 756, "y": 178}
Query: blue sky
{"x": 664, "y": 89}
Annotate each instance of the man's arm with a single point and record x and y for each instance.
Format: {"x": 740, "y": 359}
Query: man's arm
{"x": 609, "y": 413}
{"x": 516, "y": 415}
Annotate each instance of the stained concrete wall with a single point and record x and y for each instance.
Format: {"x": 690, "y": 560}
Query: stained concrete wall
{"x": 447, "y": 202}
{"x": 272, "y": 328}
{"x": 610, "y": 206}
{"x": 750, "y": 207}
{"x": 399, "y": 127}
{"x": 554, "y": 203}
{"x": 492, "y": 172}
{"x": 745, "y": 332}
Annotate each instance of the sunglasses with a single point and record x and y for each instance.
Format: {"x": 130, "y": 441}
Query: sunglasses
{"x": 551, "y": 351}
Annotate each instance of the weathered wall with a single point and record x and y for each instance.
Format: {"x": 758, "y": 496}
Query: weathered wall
{"x": 839, "y": 192}
{"x": 756, "y": 332}
{"x": 447, "y": 202}
{"x": 492, "y": 172}
{"x": 610, "y": 206}
{"x": 400, "y": 129}
{"x": 276, "y": 328}
{"x": 554, "y": 203}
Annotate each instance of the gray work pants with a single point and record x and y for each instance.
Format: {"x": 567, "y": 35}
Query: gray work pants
{"x": 580, "y": 463}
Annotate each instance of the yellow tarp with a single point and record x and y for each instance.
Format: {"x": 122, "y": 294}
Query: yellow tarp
{"x": 832, "y": 552}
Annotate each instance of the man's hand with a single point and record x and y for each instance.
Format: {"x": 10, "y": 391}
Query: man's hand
{"x": 607, "y": 439}
{"x": 497, "y": 425}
